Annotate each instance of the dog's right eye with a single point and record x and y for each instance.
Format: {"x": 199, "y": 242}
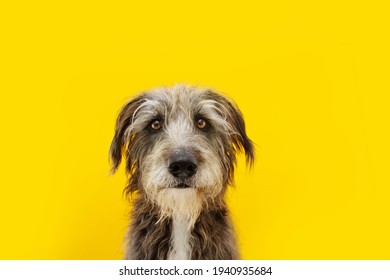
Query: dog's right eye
{"x": 156, "y": 124}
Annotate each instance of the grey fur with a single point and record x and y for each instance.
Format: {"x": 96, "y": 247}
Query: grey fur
{"x": 158, "y": 127}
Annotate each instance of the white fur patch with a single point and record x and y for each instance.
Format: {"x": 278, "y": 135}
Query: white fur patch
{"x": 180, "y": 246}
{"x": 183, "y": 204}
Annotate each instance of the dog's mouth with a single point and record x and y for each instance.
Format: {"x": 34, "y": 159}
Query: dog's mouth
{"x": 182, "y": 186}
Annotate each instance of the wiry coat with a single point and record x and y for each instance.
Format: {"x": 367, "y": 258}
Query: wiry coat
{"x": 176, "y": 215}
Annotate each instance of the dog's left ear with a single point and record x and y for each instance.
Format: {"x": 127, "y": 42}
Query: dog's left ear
{"x": 239, "y": 138}
{"x": 123, "y": 121}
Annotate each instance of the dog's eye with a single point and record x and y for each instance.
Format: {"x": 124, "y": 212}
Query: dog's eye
{"x": 201, "y": 123}
{"x": 156, "y": 124}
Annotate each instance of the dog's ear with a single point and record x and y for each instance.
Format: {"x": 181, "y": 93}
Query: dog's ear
{"x": 123, "y": 121}
{"x": 239, "y": 138}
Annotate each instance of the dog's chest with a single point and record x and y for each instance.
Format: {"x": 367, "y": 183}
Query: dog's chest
{"x": 180, "y": 239}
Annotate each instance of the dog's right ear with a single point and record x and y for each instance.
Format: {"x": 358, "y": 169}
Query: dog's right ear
{"x": 123, "y": 121}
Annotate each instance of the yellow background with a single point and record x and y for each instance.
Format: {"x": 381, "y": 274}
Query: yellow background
{"x": 311, "y": 77}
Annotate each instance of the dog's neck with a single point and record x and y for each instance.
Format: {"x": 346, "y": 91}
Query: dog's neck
{"x": 183, "y": 219}
{"x": 184, "y": 208}
{"x": 152, "y": 236}
{"x": 180, "y": 238}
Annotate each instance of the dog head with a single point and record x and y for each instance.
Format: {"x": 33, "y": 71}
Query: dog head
{"x": 179, "y": 143}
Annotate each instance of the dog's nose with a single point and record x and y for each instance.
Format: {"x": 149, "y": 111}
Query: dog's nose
{"x": 183, "y": 165}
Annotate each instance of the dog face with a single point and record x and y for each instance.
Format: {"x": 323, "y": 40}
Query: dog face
{"x": 180, "y": 146}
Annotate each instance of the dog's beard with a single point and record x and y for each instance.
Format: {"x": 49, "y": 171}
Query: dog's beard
{"x": 182, "y": 198}
{"x": 184, "y": 204}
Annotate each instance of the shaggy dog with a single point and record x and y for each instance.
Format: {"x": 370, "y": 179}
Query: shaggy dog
{"x": 180, "y": 147}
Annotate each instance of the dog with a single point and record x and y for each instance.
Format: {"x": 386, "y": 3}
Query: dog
{"x": 180, "y": 145}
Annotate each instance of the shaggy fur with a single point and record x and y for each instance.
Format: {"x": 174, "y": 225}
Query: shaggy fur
{"x": 180, "y": 147}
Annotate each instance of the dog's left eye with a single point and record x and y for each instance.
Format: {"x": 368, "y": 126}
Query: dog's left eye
{"x": 156, "y": 124}
{"x": 201, "y": 123}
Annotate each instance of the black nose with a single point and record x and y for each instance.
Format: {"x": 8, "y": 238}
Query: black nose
{"x": 182, "y": 165}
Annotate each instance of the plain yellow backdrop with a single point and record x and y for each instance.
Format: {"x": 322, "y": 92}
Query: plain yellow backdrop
{"x": 311, "y": 77}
